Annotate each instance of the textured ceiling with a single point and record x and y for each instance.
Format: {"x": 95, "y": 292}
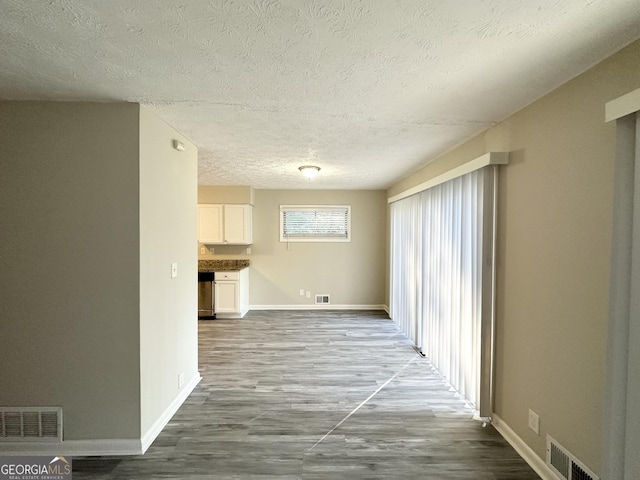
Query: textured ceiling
{"x": 369, "y": 90}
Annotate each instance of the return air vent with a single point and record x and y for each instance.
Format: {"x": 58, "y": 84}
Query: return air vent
{"x": 323, "y": 300}
{"x": 564, "y": 464}
{"x": 31, "y": 424}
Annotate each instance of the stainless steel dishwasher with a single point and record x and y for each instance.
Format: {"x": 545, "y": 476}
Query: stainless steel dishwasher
{"x": 206, "y": 297}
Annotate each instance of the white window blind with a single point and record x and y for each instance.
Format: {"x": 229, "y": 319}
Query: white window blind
{"x": 315, "y": 223}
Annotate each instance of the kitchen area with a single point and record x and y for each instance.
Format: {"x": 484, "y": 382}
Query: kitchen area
{"x": 224, "y": 243}
{"x": 239, "y": 240}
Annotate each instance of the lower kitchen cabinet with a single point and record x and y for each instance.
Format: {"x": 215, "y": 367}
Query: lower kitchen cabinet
{"x": 232, "y": 293}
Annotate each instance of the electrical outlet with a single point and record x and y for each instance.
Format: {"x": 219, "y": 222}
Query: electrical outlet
{"x": 211, "y": 250}
{"x": 308, "y": 294}
{"x": 180, "y": 380}
{"x": 203, "y": 250}
{"x": 302, "y": 292}
{"x": 534, "y": 422}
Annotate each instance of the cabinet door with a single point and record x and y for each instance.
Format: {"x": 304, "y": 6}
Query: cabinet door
{"x": 226, "y": 297}
{"x": 237, "y": 224}
{"x": 210, "y": 224}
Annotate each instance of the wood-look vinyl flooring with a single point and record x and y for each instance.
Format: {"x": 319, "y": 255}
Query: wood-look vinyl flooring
{"x": 316, "y": 395}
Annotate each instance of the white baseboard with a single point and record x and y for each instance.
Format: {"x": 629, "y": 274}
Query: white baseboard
{"x": 231, "y": 315}
{"x": 534, "y": 461}
{"x": 240, "y": 314}
{"x": 103, "y": 446}
{"x": 148, "y": 437}
{"x": 71, "y": 448}
{"x": 313, "y": 306}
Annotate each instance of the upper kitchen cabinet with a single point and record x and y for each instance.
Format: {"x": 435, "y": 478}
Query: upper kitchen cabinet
{"x": 225, "y": 224}
{"x": 237, "y": 224}
{"x": 210, "y": 225}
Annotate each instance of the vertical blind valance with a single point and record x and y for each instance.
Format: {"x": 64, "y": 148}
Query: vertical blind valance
{"x": 490, "y": 158}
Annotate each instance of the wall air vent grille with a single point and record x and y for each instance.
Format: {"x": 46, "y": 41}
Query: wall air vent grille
{"x": 323, "y": 300}
{"x": 564, "y": 464}
{"x": 31, "y": 424}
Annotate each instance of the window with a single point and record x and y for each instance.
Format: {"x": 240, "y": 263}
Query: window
{"x": 315, "y": 223}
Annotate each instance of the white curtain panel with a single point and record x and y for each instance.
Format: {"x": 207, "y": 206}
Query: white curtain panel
{"x": 436, "y": 276}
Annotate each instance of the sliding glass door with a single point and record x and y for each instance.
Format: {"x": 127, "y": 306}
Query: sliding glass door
{"x": 442, "y": 279}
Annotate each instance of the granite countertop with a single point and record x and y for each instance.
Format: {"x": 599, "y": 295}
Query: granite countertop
{"x": 222, "y": 265}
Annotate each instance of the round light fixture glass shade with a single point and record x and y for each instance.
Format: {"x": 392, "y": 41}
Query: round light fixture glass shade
{"x": 309, "y": 171}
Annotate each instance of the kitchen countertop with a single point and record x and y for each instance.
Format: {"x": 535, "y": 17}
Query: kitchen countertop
{"x": 222, "y": 265}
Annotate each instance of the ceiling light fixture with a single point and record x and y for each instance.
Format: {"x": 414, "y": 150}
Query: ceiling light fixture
{"x": 309, "y": 171}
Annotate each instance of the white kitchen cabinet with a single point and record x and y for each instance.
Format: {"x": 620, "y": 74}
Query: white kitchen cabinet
{"x": 225, "y": 224}
{"x": 231, "y": 292}
{"x": 227, "y": 297}
{"x": 210, "y": 223}
{"x": 237, "y": 224}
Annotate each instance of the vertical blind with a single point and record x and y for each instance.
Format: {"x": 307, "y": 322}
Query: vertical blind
{"x": 439, "y": 238}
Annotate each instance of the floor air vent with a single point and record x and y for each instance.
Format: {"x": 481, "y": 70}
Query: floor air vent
{"x": 564, "y": 464}
{"x": 31, "y": 424}
{"x": 323, "y": 300}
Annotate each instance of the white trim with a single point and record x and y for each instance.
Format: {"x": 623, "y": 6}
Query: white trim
{"x": 529, "y": 456}
{"x": 233, "y": 315}
{"x": 148, "y": 438}
{"x": 319, "y": 307}
{"x": 491, "y": 158}
{"x": 622, "y": 106}
{"x": 109, "y": 446}
{"x": 621, "y": 437}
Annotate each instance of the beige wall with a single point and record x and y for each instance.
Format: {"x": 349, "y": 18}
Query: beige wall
{"x": 69, "y": 284}
{"x": 554, "y": 243}
{"x": 226, "y": 194}
{"x": 352, "y": 273}
{"x": 96, "y": 205}
{"x": 168, "y": 306}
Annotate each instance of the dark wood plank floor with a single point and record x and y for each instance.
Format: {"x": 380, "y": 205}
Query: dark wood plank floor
{"x": 279, "y": 399}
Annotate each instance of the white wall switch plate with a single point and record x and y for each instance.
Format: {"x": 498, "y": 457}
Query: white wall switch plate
{"x": 302, "y": 292}
{"x": 174, "y": 270}
{"x": 534, "y": 422}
